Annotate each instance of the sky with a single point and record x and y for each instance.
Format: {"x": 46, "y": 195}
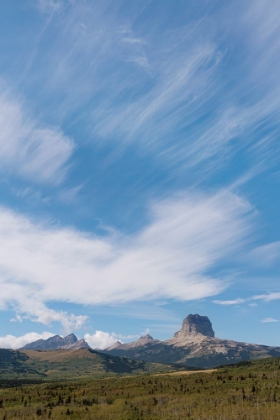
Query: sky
{"x": 139, "y": 169}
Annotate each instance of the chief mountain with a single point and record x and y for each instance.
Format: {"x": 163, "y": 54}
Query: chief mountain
{"x": 194, "y": 345}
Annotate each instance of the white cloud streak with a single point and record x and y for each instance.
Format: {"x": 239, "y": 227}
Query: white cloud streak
{"x": 48, "y": 6}
{"x": 170, "y": 258}
{"x": 266, "y": 297}
{"x": 170, "y": 92}
{"x": 237, "y": 301}
{"x": 266, "y": 320}
{"x": 267, "y": 255}
{"x": 37, "y": 153}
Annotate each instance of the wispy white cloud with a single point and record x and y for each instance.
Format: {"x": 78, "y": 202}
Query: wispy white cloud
{"x": 262, "y": 21}
{"x": 68, "y": 195}
{"x": 49, "y": 6}
{"x": 229, "y": 302}
{"x": 27, "y": 149}
{"x": 269, "y": 320}
{"x": 117, "y": 63}
{"x": 169, "y": 258}
{"x": 266, "y": 297}
{"x": 171, "y": 92}
{"x": 267, "y": 255}
{"x": 13, "y": 342}
{"x": 32, "y": 195}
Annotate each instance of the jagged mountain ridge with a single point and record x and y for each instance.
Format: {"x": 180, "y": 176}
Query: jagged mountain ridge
{"x": 70, "y": 342}
{"x": 193, "y": 345}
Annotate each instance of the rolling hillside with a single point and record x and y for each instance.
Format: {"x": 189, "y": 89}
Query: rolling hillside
{"x": 63, "y": 364}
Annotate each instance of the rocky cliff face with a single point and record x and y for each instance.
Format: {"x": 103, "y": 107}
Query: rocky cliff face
{"x": 56, "y": 342}
{"x": 196, "y": 324}
{"x": 195, "y": 329}
{"x": 193, "y": 345}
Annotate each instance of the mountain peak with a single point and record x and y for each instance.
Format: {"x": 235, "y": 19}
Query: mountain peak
{"x": 196, "y": 324}
{"x": 55, "y": 342}
{"x": 147, "y": 337}
{"x": 70, "y": 339}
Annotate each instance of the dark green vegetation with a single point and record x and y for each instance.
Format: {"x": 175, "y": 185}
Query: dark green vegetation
{"x": 249, "y": 390}
{"x": 13, "y": 363}
{"x": 64, "y": 364}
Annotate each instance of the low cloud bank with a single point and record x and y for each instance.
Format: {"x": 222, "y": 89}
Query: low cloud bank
{"x": 13, "y": 342}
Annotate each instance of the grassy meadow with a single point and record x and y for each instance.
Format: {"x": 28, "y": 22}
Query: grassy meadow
{"x": 246, "y": 391}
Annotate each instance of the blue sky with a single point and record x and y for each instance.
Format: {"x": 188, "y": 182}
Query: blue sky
{"x": 139, "y": 160}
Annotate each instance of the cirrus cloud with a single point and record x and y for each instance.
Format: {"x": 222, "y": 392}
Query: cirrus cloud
{"x": 28, "y": 149}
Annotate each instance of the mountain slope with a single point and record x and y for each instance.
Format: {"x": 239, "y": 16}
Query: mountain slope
{"x": 194, "y": 345}
{"x": 64, "y": 363}
{"x": 14, "y": 363}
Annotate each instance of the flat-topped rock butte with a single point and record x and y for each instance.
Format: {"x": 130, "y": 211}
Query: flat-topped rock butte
{"x": 196, "y": 324}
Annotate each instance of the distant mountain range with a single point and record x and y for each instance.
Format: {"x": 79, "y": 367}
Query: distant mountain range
{"x": 70, "y": 342}
{"x": 194, "y": 345}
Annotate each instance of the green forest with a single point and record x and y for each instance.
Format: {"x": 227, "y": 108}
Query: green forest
{"x": 248, "y": 390}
